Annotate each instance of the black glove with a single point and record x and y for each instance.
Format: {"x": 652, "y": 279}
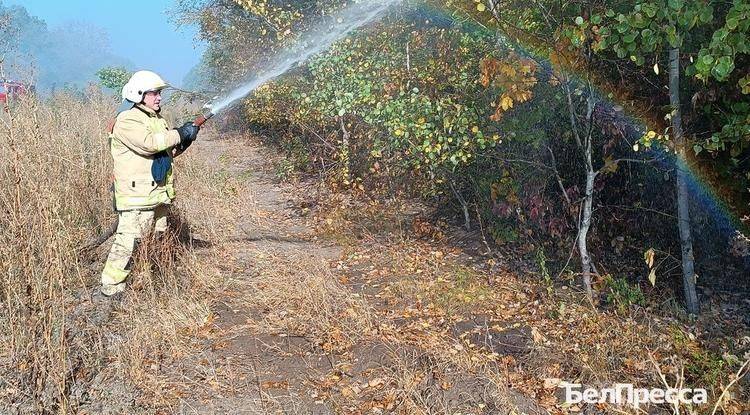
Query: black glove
{"x": 188, "y": 133}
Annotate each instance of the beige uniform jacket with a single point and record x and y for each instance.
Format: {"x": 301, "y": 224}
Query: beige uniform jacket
{"x": 138, "y": 134}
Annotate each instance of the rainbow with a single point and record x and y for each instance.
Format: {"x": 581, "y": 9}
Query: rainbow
{"x": 703, "y": 190}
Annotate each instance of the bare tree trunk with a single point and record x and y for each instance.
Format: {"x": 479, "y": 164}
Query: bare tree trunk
{"x": 585, "y": 145}
{"x": 464, "y": 206}
{"x": 683, "y": 211}
{"x": 583, "y": 233}
{"x": 588, "y": 200}
{"x": 344, "y": 153}
{"x": 492, "y": 5}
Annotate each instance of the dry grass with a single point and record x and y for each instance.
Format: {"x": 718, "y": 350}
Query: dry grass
{"x": 53, "y": 154}
{"x": 431, "y": 285}
{"x": 306, "y": 299}
{"x": 56, "y": 356}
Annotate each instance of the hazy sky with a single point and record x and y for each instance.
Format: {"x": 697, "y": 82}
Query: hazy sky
{"x": 139, "y": 30}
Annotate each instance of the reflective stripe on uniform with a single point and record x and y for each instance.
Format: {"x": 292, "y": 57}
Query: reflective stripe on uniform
{"x": 156, "y": 196}
{"x": 161, "y": 141}
{"x": 113, "y": 275}
{"x": 132, "y": 226}
{"x": 144, "y": 202}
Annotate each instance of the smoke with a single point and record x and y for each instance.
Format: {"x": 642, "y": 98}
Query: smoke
{"x": 67, "y": 56}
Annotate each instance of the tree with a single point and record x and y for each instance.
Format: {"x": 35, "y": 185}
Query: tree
{"x": 648, "y": 29}
{"x": 113, "y": 77}
{"x": 52, "y": 57}
{"x": 569, "y": 50}
{"x": 408, "y": 96}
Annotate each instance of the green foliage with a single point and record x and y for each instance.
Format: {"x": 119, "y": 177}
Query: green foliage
{"x": 621, "y": 294}
{"x": 427, "y": 105}
{"x": 734, "y": 133}
{"x": 430, "y": 115}
{"x": 649, "y": 27}
{"x": 113, "y": 77}
{"x": 541, "y": 259}
{"x": 432, "y": 127}
{"x": 716, "y": 37}
{"x": 702, "y": 367}
{"x": 717, "y": 58}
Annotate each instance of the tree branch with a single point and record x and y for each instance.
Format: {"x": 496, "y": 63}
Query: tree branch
{"x": 557, "y": 175}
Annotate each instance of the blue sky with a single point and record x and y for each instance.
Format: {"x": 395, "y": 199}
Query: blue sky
{"x": 140, "y": 30}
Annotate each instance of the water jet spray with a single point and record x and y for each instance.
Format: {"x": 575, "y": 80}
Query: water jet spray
{"x": 314, "y": 41}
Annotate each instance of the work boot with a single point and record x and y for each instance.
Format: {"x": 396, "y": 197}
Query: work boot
{"x": 108, "y": 290}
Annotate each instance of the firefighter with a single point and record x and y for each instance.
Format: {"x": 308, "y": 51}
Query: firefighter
{"x": 142, "y": 147}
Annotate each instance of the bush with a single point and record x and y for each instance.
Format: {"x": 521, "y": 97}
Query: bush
{"x": 621, "y": 294}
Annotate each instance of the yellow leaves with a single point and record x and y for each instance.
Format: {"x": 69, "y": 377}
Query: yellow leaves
{"x": 610, "y": 166}
{"x": 508, "y": 70}
{"x": 475, "y": 129}
{"x": 481, "y": 7}
{"x": 649, "y": 256}
{"x": 279, "y": 18}
{"x": 744, "y": 84}
{"x": 514, "y": 76}
{"x": 648, "y": 138}
{"x": 506, "y": 102}
{"x": 488, "y": 68}
{"x": 528, "y": 67}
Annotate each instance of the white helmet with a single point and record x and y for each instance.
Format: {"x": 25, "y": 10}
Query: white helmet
{"x": 140, "y": 83}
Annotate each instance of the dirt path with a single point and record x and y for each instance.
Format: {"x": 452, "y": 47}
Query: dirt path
{"x": 251, "y": 366}
{"x": 302, "y": 327}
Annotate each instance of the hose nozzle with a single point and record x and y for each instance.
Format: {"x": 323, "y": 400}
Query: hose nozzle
{"x": 207, "y": 114}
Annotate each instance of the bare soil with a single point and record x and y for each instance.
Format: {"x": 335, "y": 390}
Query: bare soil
{"x": 339, "y": 348}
